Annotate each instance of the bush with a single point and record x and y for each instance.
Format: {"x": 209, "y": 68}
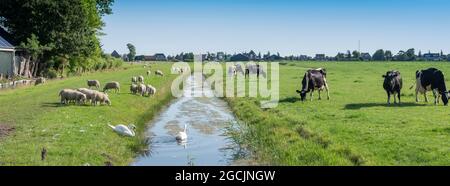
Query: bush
{"x": 51, "y": 73}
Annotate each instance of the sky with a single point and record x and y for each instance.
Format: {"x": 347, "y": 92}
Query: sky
{"x": 290, "y": 27}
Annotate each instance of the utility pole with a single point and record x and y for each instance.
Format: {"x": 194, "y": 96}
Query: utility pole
{"x": 359, "y": 46}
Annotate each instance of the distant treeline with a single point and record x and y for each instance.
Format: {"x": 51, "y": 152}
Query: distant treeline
{"x": 54, "y": 37}
{"x": 379, "y": 55}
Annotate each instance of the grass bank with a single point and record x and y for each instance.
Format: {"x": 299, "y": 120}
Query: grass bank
{"x": 356, "y": 127}
{"x": 76, "y": 135}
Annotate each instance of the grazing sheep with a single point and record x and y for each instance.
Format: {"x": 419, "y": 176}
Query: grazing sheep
{"x": 141, "y": 79}
{"x": 39, "y": 81}
{"x": 112, "y": 86}
{"x": 134, "y": 89}
{"x": 90, "y": 94}
{"x": 159, "y": 73}
{"x": 134, "y": 80}
{"x": 142, "y": 89}
{"x": 93, "y": 83}
{"x": 101, "y": 98}
{"x": 149, "y": 73}
{"x": 151, "y": 91}
{"x": 68, "y": 95}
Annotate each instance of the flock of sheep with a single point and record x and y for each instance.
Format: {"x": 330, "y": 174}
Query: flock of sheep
{"x": 96, "y": 97}
{"x": 83, "y": 95}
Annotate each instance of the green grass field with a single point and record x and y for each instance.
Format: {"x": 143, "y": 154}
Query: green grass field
{"x": 76, "y": 135}
{"x": 356, "y": 127}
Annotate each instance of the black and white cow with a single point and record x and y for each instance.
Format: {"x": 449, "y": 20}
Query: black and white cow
{"x": 255, "y": 69}
{"x": 393, "y": 84}
{"x": 314, "y": 79}
{"x": 433, "y": 80}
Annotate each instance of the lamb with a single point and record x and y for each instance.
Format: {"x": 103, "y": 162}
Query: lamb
{"x": 141, "y": 79}
{"x": 151, "y": 91}
{"x": 134, "y": 89}
{"x": 93, "y": 83}
{"x": 149, "y": 73}
{"x": 68, "y": 95}
{"x": 159, "y": 73}
{"x": 134, "y": 80}
{"x": 101, "y": 98}
{"x": 112, "y": 86}
{"x": 142, "y": 89}
{"x": 39, "y": 81}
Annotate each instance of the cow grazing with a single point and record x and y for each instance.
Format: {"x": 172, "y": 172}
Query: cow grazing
{"x": 314, "y": 79}
{"x": 393, "y": 84}
{"x": 433, "y": 80}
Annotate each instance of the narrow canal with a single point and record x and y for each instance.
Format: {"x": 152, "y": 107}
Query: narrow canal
{"x": 206, "y": 118}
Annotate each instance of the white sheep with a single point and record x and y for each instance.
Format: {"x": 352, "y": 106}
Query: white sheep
{"x": 101, "y": 98}
{"x": 134, "y": 89}
{"x": 39, "y": 81}
{"x": 141, "y": 79}
{"x": 112, "y": 86}
{"x": 68, "y": 95}
{"x": 134, "y": 80}
{"x": 151, "y": 91}
{"x": 159, "y": 73}
{"x": 142, "y": 89}
{"x": 93, "y": 83}
{"x": 90, "y": 94}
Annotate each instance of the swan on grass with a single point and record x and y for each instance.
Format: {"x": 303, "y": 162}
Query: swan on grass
{"x": 182, "y": 136}
{"x": 124, "y": 130}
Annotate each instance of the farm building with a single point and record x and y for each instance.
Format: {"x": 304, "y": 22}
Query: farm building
{"x": 115, "y": 54}
{"x": 12, "y": 59}
{"x": 7, "y": 56}
{"x": 432, "y": 57}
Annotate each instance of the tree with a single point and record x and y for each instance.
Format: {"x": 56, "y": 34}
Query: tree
{"x": 349, "y": 55}
{"x": 388, "y": 55}
{"x": 35, "y": 50}
{"x": 340, "y": 56}
{"x": 410, "y": 54}
{"x": 71, "y": 27}
{"x": 132, "y": 54}
{"x": 379, "y": 55}
{"x": 356, "y": 55}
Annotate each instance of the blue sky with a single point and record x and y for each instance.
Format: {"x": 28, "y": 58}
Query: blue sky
{"x": 287, "y": 26}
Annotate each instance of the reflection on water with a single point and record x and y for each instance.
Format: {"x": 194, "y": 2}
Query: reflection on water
{"x": 206, "y": 118}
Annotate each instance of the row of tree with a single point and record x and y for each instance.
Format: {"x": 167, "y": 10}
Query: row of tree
{"x": 57, "y": 35}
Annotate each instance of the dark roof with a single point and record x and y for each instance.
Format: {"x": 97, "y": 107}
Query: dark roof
{"x": 5, "y": 44}
{"x": 3, "y": 39}
{"x": 115, "y": 54}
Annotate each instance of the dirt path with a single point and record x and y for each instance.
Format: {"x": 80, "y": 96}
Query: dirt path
{"x": 5, "y": 130}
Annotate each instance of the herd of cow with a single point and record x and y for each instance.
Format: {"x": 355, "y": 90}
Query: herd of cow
{"x": 430, "y": 79}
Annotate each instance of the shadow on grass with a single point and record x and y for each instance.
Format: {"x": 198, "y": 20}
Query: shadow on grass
{"x": 57, "y": 105}
{"x": 290, "y": 100}
{"x": 357, "y": 106}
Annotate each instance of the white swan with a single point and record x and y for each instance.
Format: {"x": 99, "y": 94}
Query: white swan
{"x": 124, "y": 130}
{"x": 182, "y": 136}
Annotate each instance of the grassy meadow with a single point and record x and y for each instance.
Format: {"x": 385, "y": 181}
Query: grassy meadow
{"x": 77, "y": 135}
{"x": 356, "y": 127}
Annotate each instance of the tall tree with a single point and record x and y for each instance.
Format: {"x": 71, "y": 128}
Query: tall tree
{"x": 379, "y": 55}
{"x": 388, "y": 55}
{"x": 71, "y": 27}
{"x": 132, "y": 52}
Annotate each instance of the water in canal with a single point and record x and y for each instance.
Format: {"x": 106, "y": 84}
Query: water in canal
{"x": 206, "y": 118}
